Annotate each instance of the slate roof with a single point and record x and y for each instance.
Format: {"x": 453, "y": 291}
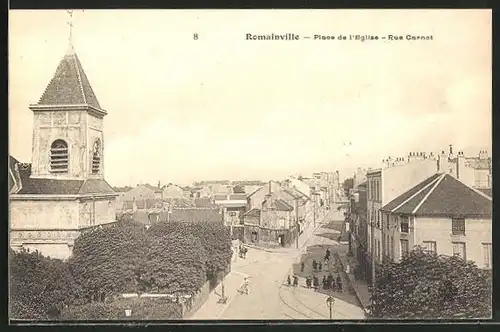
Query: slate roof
{"x": 40, "y": 186}
{"x": 13, "y": 176}
{"x": 281, "y": 205}
{"x": 69, "y": 85}
{"x": 487, "y": 191}
{"x": 443, "y": 196}
{"x": 402, "y": 198}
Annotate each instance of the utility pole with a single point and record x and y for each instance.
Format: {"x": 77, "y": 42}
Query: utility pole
{"x": 373, "y": 250}
{"x": 297, "y": 222}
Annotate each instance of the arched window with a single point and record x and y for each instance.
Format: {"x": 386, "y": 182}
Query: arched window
{"x": 59, "y": 157}
{"x": 96, "y": 157}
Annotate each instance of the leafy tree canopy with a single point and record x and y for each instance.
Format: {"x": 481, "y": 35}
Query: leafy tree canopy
{"x": 428, "y": 286}
{"x": 347, "y": 185}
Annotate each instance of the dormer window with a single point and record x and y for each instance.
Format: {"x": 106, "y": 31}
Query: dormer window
{"x": 96, "y": 157}
{"x": 59, "y": 157}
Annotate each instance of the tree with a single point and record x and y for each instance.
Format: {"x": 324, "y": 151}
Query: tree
{"x": 108, "y": 260}
{"x": 40, "y": 287}
{"x": 427, "y": 286}
{"x": 175, "y": 263}
{"x": 347, "y": 185}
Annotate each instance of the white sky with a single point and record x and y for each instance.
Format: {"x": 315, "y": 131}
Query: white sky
{"x": 222, "y": 107}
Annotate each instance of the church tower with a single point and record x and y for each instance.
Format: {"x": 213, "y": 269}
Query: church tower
{"x": 68, "y": 139}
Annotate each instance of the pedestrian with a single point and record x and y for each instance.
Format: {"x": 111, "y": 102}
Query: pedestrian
{"x": 325, "y": 286}
{"x": 339, "y": 283}
{"x": 301, "y": 266}
{"x": 295, "y": 281}
{"x": 320, "y": 266}
{"x": 315, "y": 265}
{"x": 327, "y": 254}
{"x": 308, "y": 282}
{"x": 289, "y": 280}
{"x": 315, "y": 282}
{"x": 329, "y": 281}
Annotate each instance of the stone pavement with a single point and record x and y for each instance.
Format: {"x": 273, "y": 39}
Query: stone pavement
{"x": 211, "y": 309}
{"x": 361, "y": 287}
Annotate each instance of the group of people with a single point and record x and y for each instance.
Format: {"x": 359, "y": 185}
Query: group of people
{"x": 243, "y": 252}
{"x": 295, "y": 280}
{"x": 329, "y": 282}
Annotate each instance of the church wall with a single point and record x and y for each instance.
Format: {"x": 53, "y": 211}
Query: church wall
{"x": 69, "y": 126}
{"x": 105, "y": 211}
{"x": 32, "y": 214}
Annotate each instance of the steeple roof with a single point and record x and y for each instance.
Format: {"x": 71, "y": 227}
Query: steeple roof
{"x": 70, "y": 85}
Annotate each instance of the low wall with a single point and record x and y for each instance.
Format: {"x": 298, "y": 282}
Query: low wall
{"x": 267, "y": 237}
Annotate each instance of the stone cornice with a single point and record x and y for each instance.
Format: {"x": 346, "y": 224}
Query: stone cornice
{"x": 74, "y": 107}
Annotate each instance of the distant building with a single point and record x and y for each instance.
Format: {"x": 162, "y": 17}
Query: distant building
{"x": 444, "y": 216}
{"x": 359, "y": 228}
{"x": 173, "y": 191}
{"x": 270, "y": 224}
{"x": 234, "y": 206}
{"x": 63, "y": 191}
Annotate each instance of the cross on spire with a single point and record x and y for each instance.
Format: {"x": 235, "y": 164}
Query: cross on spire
{"x": 70, "y": 24}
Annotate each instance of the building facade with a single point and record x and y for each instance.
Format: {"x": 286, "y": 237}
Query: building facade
{"x": 63, "y": 191}
{"x": 444, "y": 216}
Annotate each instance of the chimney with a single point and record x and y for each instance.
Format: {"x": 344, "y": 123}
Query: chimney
{"x": 483, "y": 154}
{"x": 270, "y": 190}
{"x": 443, "y": 163}
{"x": 451, "y": 150}
{"x": 460, "y": 164}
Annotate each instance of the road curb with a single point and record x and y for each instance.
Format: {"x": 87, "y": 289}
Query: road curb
{"x": 352, "y": 285}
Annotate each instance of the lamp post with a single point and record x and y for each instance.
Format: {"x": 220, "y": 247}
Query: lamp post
{"x": 330, "y": 302}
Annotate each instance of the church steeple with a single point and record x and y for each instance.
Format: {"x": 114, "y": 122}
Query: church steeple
{"x": 70, "y": 85}
{"x": 68, "y": 131}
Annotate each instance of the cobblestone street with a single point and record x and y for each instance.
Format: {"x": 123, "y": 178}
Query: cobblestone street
{"x": 270, "y": 297}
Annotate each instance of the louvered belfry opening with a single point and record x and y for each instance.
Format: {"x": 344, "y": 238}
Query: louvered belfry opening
{"x": 96, "y": 157}
{"x": 59, "y": 157}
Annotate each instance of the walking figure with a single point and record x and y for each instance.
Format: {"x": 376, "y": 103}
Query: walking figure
{"x": 320, "y": 266}
{"x": 325, "y": 283}
{"x": 339, "y": 283}
{"x": 308, "y": 282}
{"x": 327, "y": 254}
{"x": 315, "y": 265}
{"x": 289, "y": 281}
{"x": 301, "y": 266}
{"x": 315, "y": 282}
{"x": 295, "y": 281}
{"x": 330, "y": 281}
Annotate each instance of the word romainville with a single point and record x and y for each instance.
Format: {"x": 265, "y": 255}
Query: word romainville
{"x": 272, "y": 36}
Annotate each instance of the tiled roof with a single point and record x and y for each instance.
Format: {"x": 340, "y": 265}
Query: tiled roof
{"x": 96, "y": 186}
{"x": 253, "y": 213}
{"x": 281, "y": 205}
{"x": 405, "y": 196}
{"x": 477, "y": 163}
{"x": 196, "y": 215}
{"x": 203, "y": 202}
{"x": 69, "y": 85}
{"x": 13, "y": 176}
{"x": 445, "y": 196}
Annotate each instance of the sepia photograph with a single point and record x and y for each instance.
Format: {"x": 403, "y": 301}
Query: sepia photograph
{"x": 187, "y": 165}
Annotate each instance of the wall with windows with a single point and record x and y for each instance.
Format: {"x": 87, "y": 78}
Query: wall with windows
{"x": 448, "y": 239}
{"x": 398, "y": 179}
{"x": 97, "y": 212}
{"x": 374, "y": 216}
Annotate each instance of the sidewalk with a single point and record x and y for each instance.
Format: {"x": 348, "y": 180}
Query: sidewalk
{"x": 360, "y": 286}
{"x": 213, "y": 310}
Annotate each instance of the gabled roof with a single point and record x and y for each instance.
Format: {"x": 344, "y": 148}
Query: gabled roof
{"x": 70, "y": 85}
{"x": 444, "y": 196}
{"x": 281, "y": 205}
{"x": 405, "y": 196}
